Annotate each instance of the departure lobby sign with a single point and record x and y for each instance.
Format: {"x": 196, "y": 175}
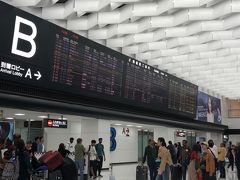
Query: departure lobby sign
{"x": 36, "y": 53}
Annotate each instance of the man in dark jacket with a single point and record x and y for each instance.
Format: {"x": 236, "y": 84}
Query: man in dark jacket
{"x": 151, "y": 155}
{"x": 238, "y": 161}
{"x": 185, "y": 158}
{"x": 172, "y": 151}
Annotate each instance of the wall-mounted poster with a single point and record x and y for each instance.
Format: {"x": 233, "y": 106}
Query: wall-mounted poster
{"x": 208, "y": 108}
{"x": 6, "y": 131}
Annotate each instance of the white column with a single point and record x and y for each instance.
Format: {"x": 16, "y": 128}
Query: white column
{"x": 92, "y": 129}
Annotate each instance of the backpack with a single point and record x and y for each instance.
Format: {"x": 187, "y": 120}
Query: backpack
{"x": 9, "y": 171}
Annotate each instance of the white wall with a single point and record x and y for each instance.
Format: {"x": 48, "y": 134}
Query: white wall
{"x": 127, "y": 147}
{"x": 165, "y": 132}
{"x": 53, "y": 136}
{"x": 234, "y": 138}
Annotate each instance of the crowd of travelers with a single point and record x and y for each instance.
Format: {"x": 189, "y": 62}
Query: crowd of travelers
{"x": 202, "y": 161}
{"x": 18, "y": 161}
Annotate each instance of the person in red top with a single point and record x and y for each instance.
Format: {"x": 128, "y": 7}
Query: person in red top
{"x": 194, "y": 172}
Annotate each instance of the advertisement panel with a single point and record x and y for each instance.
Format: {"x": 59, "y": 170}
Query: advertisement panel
{"x": 208, "y": 108}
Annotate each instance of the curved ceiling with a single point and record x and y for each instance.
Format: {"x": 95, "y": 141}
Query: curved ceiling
{"x": 197, "y": 40}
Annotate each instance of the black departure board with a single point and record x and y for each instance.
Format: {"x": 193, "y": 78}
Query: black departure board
{"x": 85, "y": 67}
{"x": 37, "y": 53}
{"x": 158, "y": 89}
{"x": 145, "y": 84}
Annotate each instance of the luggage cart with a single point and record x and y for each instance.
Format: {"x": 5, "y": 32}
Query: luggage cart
{"x": 40, "y": 174}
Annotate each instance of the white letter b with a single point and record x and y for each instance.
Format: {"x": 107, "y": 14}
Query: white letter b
{"x": 30, "y": 38}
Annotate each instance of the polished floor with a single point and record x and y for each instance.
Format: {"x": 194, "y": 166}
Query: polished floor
{"x": 128, "y": 172}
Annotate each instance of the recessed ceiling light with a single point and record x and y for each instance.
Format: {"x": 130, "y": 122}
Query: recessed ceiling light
{"x": 118, "y": 124}
{"x": 42, "y": 116}
{"x": 19, "y": 114}
{"x": 139, "y": 126}
{"x": 62, "y": 118}
{"x": 129, "y": 125}
{"x": 146, "y": 130}
{"x": 9, "y": 118}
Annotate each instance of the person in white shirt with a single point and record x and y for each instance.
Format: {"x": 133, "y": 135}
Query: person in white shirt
{"x": 70, "y": 145}
{"x": 93, "y": 159}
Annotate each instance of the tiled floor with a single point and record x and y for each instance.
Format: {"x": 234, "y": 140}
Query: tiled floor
{"x": 128, "y": 172}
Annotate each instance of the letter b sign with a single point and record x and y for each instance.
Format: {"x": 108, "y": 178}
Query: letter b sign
{"x": 29, "y": 38}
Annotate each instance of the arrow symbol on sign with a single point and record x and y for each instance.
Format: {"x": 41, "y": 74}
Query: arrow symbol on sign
{"x": 38, "y": 75}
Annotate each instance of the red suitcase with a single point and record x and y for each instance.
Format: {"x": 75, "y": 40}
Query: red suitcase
{"x": 44, "y": 156}
{"x": 53, "y": 160}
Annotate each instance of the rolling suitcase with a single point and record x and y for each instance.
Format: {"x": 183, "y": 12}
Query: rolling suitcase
{"x": 52, "y": 159}
{"x": 142, "y": 172}
{"x": 69, "y": 169}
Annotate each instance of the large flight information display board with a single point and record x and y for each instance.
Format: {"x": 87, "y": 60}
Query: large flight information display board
{"x": 85, "y": 67}
{"x": 160, "y": 90}
{"x": 37, "y": 53}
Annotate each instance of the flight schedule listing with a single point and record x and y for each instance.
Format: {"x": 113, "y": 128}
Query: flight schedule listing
{"x": 145, "y": 84}
{"x": 157, "y": 89}
{"x": 85, "y": 67}
{"x": 182, "y": 96}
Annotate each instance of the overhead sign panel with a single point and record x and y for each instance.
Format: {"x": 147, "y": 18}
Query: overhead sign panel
{"x": 37, "y": 53}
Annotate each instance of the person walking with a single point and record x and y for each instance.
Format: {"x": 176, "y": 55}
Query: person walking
{"x": 79, "y": 157}
{"x": 101, "y": 156}
{"x": 35, "y": 145}
{"x": 166, "y": 160}
{"x": 93, "y": 159}
{"x": 25, "y": 167}
{"x": 185, "y": 158}
{"x": 238, "y": 160}
{"x": 150, "y": 155}
{"x": 221, "y": 160}
{"x": 172, "y": 151}
{"x": 231, "y": 157}
{"x": 194, "y": 172}
{"x": 70, "y": 145}
{"x": 209, "y": 158}
{"x": 40, "y": 147}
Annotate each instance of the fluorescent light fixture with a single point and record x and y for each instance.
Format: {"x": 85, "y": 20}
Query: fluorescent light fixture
{"x": 62, "y": 118}
{"x": 42, "y": 116}
{"x": 139, "y": 126}
{"x": 9, "y": 118}
{"x": 129, "y": 125}
{"x": 19, "y": 114}
{"x": 145, "y": 130}
{"x": 118, "y": 124}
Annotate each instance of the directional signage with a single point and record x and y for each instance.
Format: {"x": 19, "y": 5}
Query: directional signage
{"x": 55, "y": 123}
{"x": 18, "y": 71}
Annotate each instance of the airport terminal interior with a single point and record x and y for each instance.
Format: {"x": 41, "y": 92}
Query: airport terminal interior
{"x": 120, "y": 89}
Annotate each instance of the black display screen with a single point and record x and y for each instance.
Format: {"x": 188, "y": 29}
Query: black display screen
{"x": 37, "y": 53}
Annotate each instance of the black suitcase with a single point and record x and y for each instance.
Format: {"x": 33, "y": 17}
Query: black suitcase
{"x": 176, "y": 172}
{"x": 55, "y": 175}
{"x": 69, "y": 169}
{"x": 142, "y": 172}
